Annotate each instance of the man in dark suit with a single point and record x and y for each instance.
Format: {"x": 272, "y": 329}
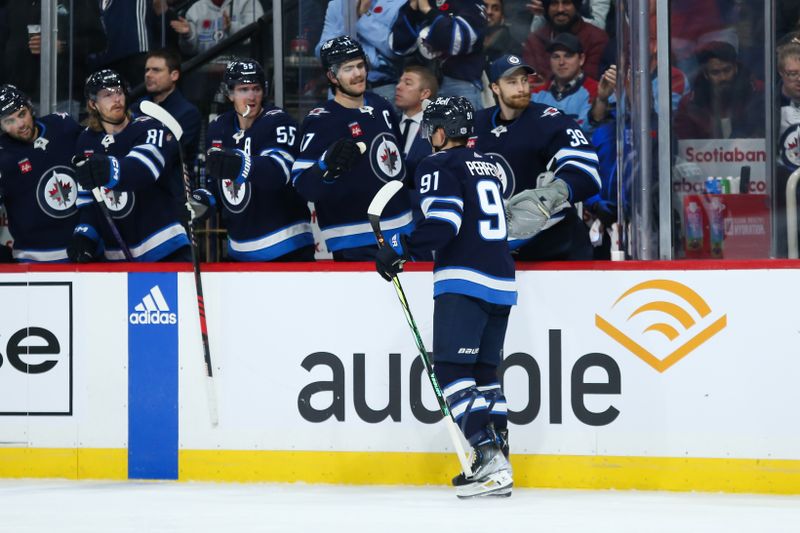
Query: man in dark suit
{"x": 416, "y": 85}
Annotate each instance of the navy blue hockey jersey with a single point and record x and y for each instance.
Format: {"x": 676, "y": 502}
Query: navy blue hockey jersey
{"x": 39, "y": 189}
{"x": 461, "y": 199}
{"x": 341, "y": 203}
{"x": 453, "y": 33}
{"x": 265, "y": 216}
{"x": 540, "y": 139}
{"x": 145, "y": 199}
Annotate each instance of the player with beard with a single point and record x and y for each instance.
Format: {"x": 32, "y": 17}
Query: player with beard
{"x": 37, "y": 182}
{"x": 135, "y": 164}
{"x": 251, "y": 152}
{"x": 348, "y": 149}
{"x": 547, "y": 166}
{"x": 563, "y": 16}
{"x": 725, "y": 101}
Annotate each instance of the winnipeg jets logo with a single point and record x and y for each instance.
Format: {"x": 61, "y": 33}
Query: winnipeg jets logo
{"x": 790, "y": 148}
{"x": 238, "y": 136}
{"x": 385, "y": 158}
{"x": 505, "y": 174}
{"x": 499, "y": 130}
{"x": 40, "y": 144}
{"x": 57, "y": 192}
{"x": 317, "y": 111}
{"x": 120, "y": 203}
{"x": 235, "y": 196}
{"x": 107, "y": 141}
{"x": 367, "y": 109}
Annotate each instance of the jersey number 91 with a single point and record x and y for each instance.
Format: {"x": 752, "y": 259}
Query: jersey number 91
{"x": 493, "y": 226}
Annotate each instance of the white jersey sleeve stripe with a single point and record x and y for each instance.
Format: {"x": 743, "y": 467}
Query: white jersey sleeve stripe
{"x": 585, "y": 168}
{"x": 154, "y": 152}
{"x": 145, "y": 161}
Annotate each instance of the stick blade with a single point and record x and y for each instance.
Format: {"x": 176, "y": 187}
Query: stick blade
{"x": 382, "y": 197}
{"x": 153, "y": 110}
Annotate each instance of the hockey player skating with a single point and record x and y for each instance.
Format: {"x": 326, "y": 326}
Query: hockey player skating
{"x": 251, "y": 152}
{"x": 331, "y": 170}
{"x": 548, "y": 166}
{"x": 474, "y": 286}
{"x": 135, "y": 164}
{"x": 37, "y": 182}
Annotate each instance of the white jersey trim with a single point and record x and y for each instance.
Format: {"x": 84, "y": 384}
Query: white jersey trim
{"x": 271, "y": 239}
{"x": 151, "y": 243}
{"x": 359, "y": 229}
{"x": 474, "y": 276}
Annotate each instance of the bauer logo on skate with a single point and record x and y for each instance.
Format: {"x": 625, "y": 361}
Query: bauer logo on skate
{"x": 153, "y": 309}
{"x": 661, "y": 321}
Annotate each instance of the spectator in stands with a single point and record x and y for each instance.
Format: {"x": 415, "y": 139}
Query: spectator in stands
{"x": 208, "y": 22}
{"x": 450, "y": 35}
{"x": 498, "y": 39}
{"x": 22, "y": 46}
{"x": 594, "y": 12}
{"x": 563, "y": 16}
{"x": 725, "y": 101}
{"x": 132, "y": 30}
{"x": 416, "y": 85}
{"x": 605, "y": 91}
{"x": 569, "y": 90}
{"x": 162, "y": 71}
{"x": 789, "y": 70}
{"x": 374, "y": 20}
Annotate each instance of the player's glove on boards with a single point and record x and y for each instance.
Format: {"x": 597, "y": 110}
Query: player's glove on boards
{"x": 528, "y": 212}
{"x": 227, "y": 164}
{"x": 81, "y": 248}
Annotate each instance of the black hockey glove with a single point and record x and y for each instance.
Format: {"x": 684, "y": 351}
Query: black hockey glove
{"x": 201, "y": 205}
{"x": 96, "y": 171}
{"x": 390, "y": 259}
{"x": 81, "y": 249}
{"x": 340, "y": 157}
{"x": 227, "y": 164}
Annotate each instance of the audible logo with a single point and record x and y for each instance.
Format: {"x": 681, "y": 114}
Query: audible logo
{"x": 666, "y": 321}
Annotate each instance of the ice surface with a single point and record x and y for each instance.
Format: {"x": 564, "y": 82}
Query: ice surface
{"x": 62, "y": 506}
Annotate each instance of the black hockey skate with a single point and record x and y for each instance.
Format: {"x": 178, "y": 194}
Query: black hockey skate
{"x": 461, "y": 480}
{"x": 491, "y": 474}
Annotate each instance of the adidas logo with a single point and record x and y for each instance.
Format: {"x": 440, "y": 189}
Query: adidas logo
{"x": 153, "y": 309}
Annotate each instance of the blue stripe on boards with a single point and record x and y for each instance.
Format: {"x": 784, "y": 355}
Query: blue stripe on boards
{"x": 153, "y": 375}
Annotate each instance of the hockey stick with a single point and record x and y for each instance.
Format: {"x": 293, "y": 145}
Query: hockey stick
{"x": 162, "y": 115}
{"x": 374, "y": 214}
{"x": 101, "y": 204}
{"x": 99, "y": 197}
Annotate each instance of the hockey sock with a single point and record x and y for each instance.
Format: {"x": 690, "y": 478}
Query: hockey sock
{"x": 489, "y": 386}
{"x": 470, "y": 409}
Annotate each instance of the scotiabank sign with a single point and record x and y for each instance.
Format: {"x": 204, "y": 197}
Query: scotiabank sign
{"x": 700, "y": 158}
{"x": 36, "y": 348}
